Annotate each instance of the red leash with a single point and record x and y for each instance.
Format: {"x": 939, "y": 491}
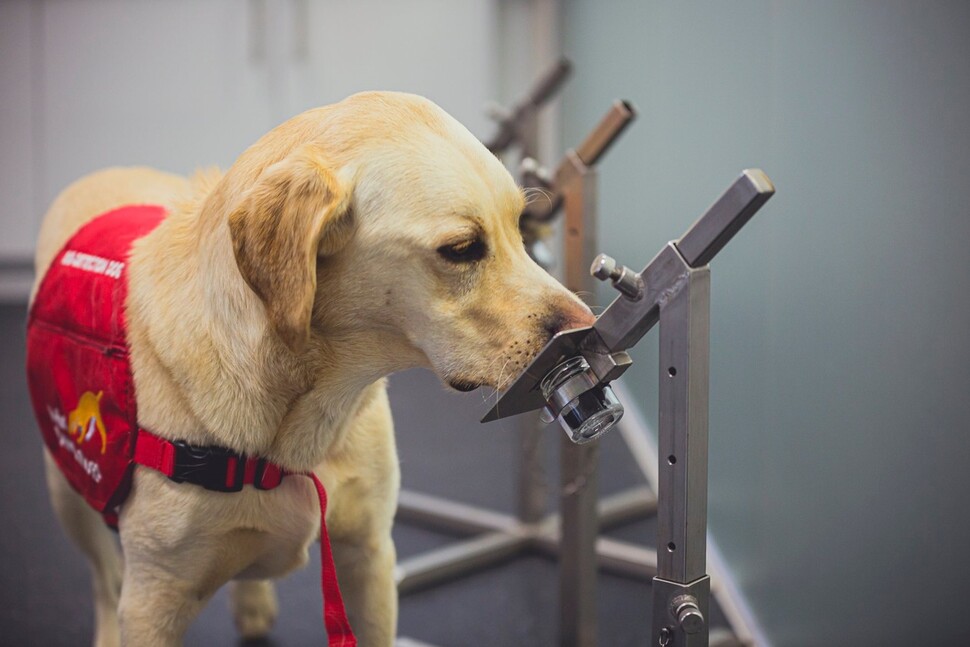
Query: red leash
{"x": 339, "y": 632}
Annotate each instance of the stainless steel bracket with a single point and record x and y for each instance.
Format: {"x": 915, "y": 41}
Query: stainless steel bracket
{"x": 629, "y": 318}
{"x": 674, "y": 291}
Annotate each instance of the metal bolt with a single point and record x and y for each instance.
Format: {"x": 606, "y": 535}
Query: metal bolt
{"x": 688, "y": 614}
{"x": 604, "y": 267}
{"x": 624, "y": 279}
{"x": 691, "y": 620}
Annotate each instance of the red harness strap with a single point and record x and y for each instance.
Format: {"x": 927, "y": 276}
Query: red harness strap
{"x": 224, "y": 471}
{"x": 214, "y": 468}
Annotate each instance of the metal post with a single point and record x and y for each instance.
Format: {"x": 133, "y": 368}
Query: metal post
{"x": 532, "y": 490}
{"x": 684, "y": 368}
{"x": 572, "y": 534}
{"x": 682, "y": 588}
{"x": 580, "y": 524}
{"x": 580, "y": 527}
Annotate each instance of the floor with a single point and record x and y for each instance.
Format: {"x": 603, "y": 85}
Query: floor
{"x": 44, "y": 588}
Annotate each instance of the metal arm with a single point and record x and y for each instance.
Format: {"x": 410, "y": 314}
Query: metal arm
{"x": 586, "y": 155}
{"x": 628, "y": 319}
{"x": 513, "y": 123}
{"x": 569, "y": 177}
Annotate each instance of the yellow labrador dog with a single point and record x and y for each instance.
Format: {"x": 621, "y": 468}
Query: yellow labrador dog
{"x": 353, "y": 241}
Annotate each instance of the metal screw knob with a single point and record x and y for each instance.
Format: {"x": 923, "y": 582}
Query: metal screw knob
{"x": 688, "y": 615}
{"x": 603, "y": 267}
{"x": 624, "y": 279}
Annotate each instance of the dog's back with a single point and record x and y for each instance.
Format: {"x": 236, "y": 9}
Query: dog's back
{"x": 95, "y": 194}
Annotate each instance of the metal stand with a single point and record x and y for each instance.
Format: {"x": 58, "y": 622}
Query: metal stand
{"x": 674, "y": 290}
{"x": 519, "y": 126}
{"x": 573, "y": 534}
{"x": 578, "y": 463}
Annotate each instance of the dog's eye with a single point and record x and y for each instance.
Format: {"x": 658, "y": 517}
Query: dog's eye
{"x": 467, "y": 251}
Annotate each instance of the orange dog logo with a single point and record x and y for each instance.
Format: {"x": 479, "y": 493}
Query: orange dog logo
{"x": 86, "y": 419}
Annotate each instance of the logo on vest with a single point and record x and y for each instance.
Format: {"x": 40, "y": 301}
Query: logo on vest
{"x": 85, "y": 420}
{"x": 76, "y": 424}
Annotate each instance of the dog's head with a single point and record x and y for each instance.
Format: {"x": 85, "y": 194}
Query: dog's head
{"x": 386, "y": 218}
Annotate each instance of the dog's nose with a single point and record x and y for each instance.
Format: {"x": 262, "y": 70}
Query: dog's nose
{"x": 554, "y": 324}
{"x": 567, "y": 316}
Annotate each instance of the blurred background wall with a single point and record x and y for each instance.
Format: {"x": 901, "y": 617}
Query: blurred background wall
{"x": 182, "y": 84}
{"x": 840, "y": 357}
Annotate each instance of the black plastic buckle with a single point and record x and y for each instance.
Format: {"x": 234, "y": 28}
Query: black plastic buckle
{"x": 207, "y": 466}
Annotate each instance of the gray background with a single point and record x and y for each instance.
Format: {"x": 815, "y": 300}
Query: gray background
{"x": 840, "y": 361}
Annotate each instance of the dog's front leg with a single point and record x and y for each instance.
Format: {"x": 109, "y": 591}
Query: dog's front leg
{"x": 366, "y": 574}
{"x": 165, "y": 587}
{"x": 363, "y": 478}
{"x": 180, "y": 547}
{"x": 254, "y": 607}
{"x": 156, "y": 608}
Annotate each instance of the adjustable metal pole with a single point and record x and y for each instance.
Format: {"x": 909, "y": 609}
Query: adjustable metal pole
{"x": 681, "y": 587}
{"x": 580, "y": 523}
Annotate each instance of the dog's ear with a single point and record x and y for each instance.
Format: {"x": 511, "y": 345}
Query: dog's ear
{"x": 298, "y": 209}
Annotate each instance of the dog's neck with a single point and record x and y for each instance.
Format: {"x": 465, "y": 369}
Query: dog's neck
{"x": 218, "y": 373}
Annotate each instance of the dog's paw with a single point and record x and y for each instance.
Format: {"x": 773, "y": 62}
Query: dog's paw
{"x": 254, "y": 607}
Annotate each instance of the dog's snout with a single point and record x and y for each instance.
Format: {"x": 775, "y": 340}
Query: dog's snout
{"x": 566, "y": 317}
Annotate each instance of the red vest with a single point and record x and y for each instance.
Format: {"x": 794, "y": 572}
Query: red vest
{"x": 77, "y": 356}
{"x": 83, "y": 392}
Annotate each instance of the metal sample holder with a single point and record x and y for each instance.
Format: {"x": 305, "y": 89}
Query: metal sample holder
{"x": 674, "y": 291}
{"x": 496, "y": 536}
{"x": 517, "y": 130}
{"x": 681, "y": 603}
